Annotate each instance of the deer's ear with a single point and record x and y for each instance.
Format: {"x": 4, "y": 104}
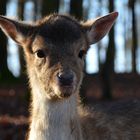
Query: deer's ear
{"x": 98, "y": 28}
{"x": 18, "y": 31}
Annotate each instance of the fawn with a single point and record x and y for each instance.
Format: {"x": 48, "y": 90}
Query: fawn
{"x": 55, "y": 48}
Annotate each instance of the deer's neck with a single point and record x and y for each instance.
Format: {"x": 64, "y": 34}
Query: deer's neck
{"x": 54, "y": 120}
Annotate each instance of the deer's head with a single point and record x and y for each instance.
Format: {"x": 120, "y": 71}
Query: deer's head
{"x": 55, "y": 48}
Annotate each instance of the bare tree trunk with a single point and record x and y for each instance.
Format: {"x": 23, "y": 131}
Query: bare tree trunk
{"x": 108, "y": 67}
{"x": 21, "y": 5}
{"x": 37, "y": 9}
{"x": 134, "y": 35}
{"x": 49, "y": 7}
{"x": 4, "y": 71}
{"x": 21, "y": 9}
{"x": 76, "y": 8}
{"x": 99, "y": 44}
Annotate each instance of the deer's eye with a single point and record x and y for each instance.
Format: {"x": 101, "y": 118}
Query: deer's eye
{"x": 81, "y": 54}
{"x": 40, "y": 53}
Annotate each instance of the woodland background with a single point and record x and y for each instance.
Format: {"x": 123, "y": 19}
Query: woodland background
{"x": 112, "y": 69}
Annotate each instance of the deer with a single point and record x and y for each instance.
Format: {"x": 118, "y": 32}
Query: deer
{"x": 55, "y": 48}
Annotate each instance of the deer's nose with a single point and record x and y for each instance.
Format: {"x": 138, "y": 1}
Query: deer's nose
{"x": 65, "y": 78}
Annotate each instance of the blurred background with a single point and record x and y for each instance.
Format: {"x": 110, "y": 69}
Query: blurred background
{"x": 112, "y": 67}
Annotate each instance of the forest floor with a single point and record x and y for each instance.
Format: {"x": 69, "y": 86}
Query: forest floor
{"x": 14, "y": 102}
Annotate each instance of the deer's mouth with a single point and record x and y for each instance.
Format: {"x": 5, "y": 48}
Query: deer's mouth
{"x": 66, "y": 90}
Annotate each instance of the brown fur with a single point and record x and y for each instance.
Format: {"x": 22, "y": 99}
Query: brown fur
{"x": 57, "y": 44}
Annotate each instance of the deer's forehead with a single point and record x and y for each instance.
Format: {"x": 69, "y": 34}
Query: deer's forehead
{"x": 45, "y": 43}
{"x": 61, "y": 31}
{"x": 61, "y": 34}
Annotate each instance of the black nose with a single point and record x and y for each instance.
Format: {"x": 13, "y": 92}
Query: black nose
{"x": 65, "y": 78}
